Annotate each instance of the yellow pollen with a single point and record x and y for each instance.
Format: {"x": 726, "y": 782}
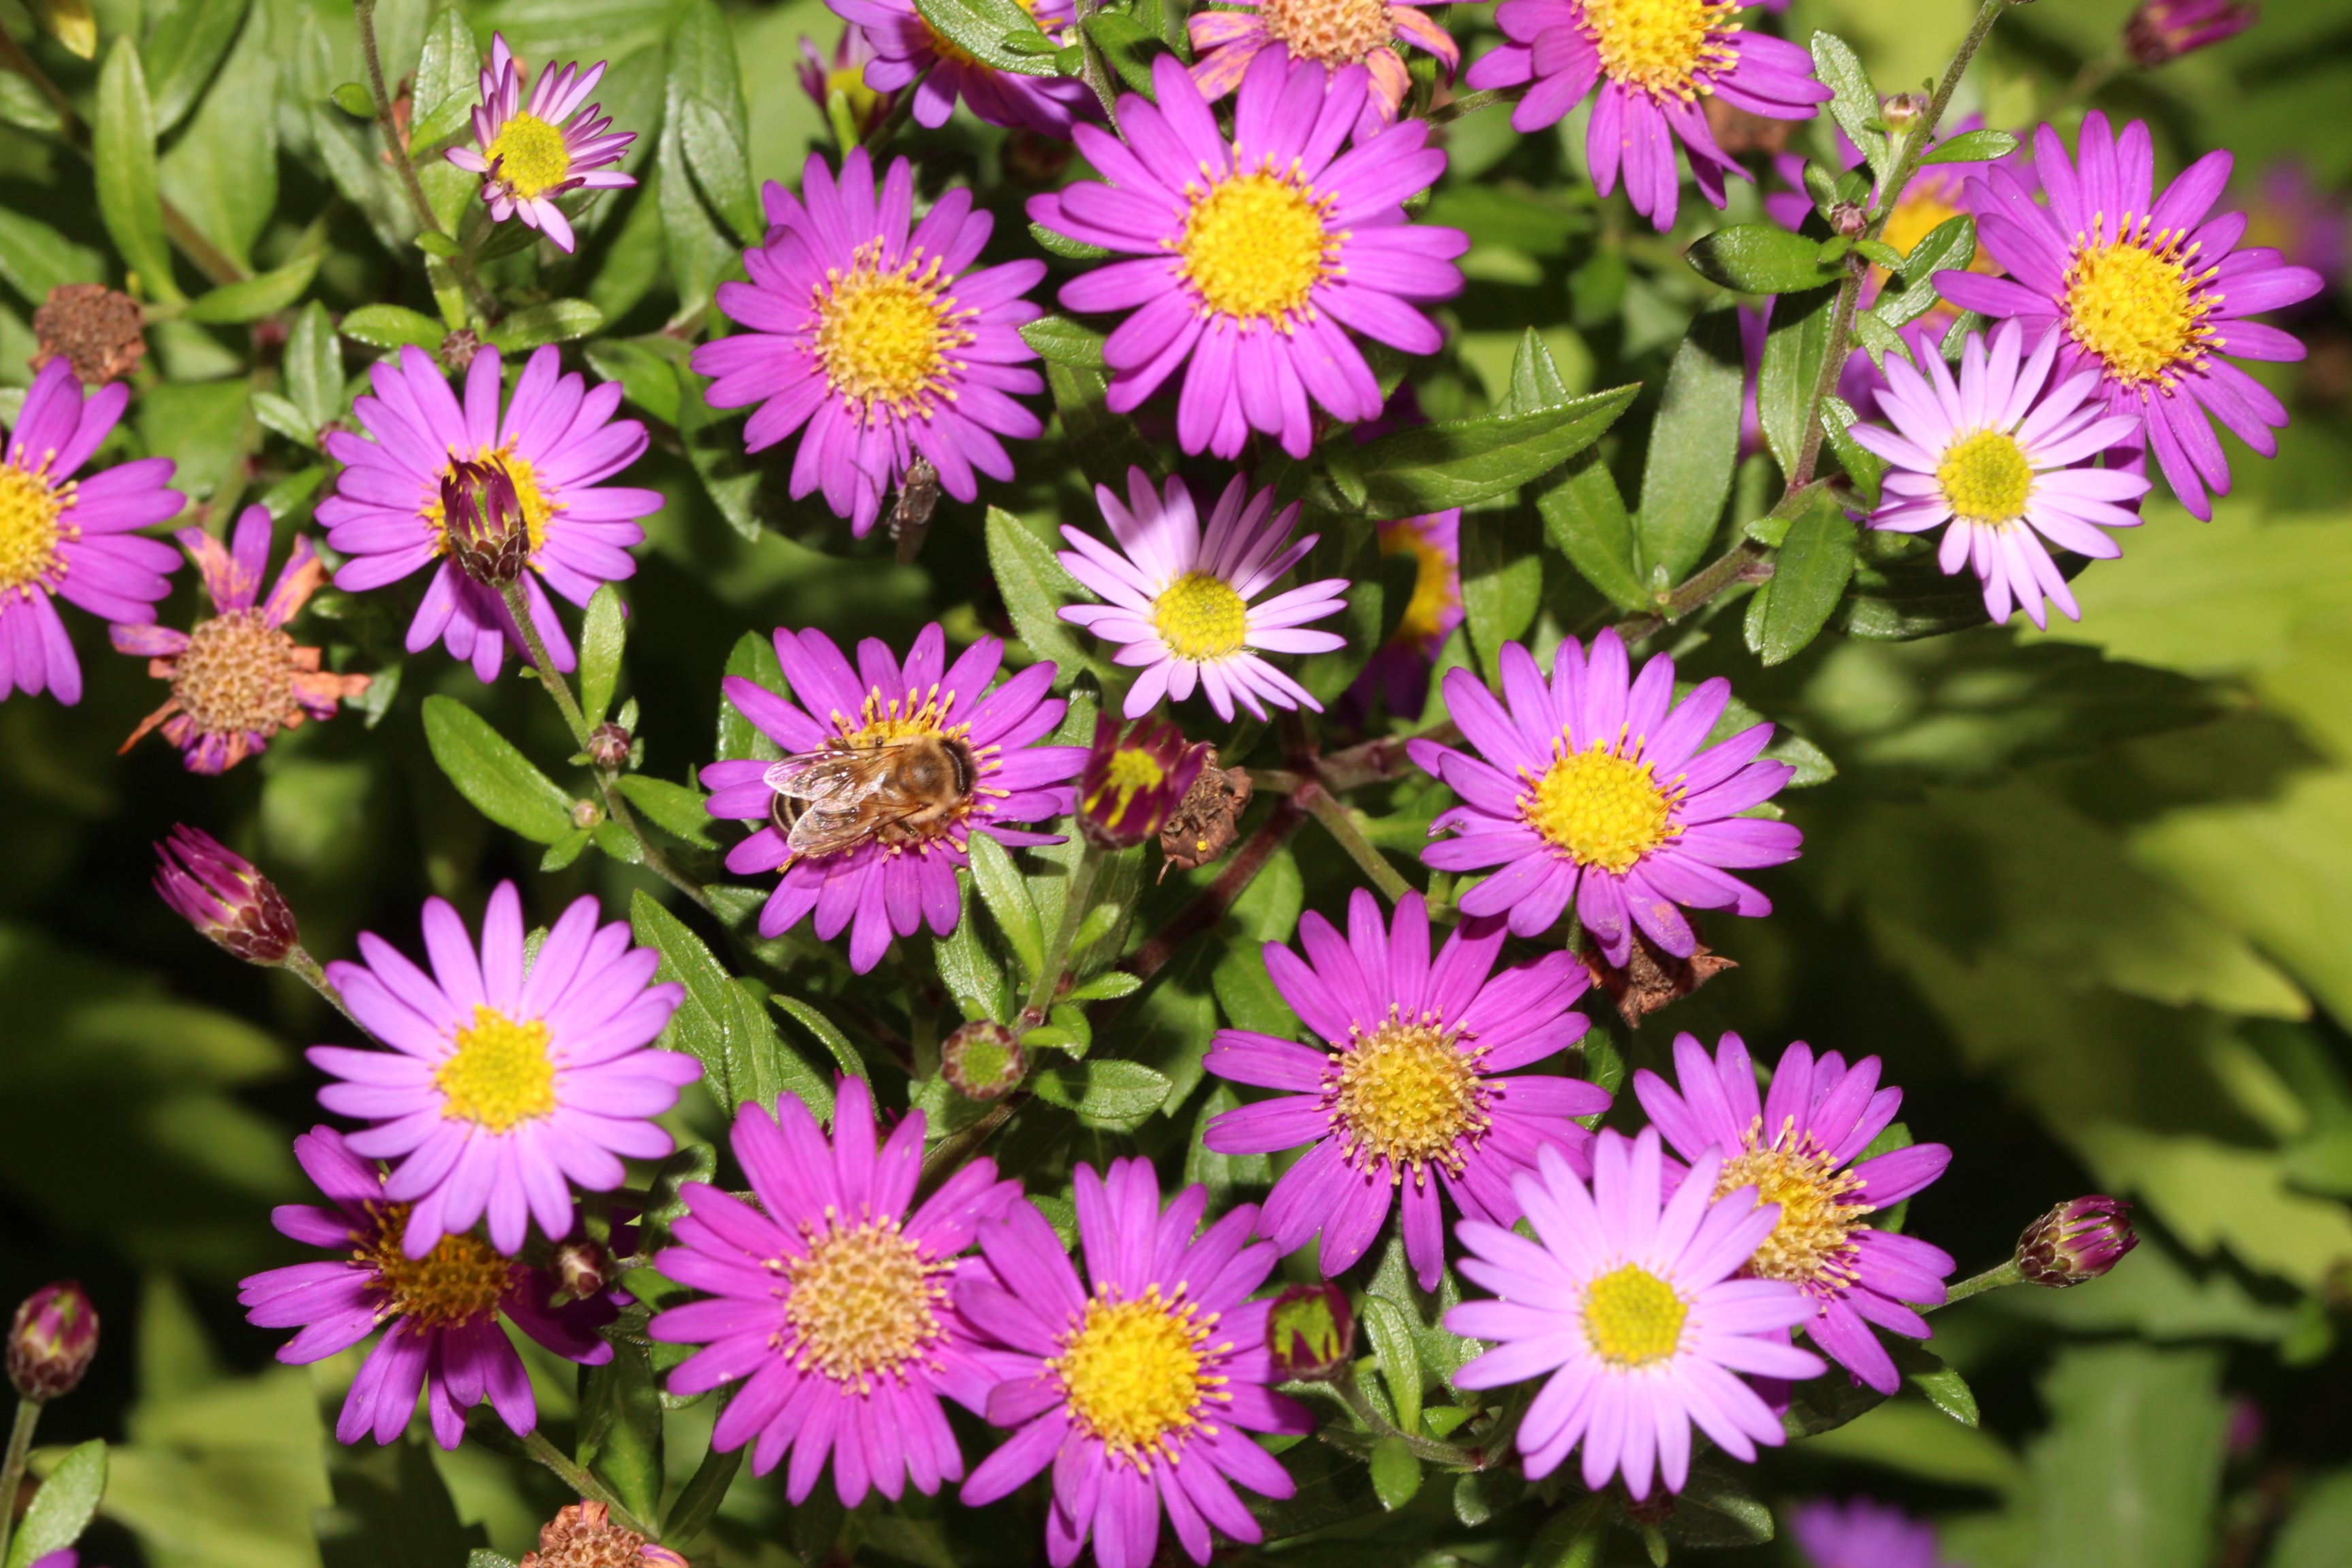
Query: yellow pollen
{"x": 1336, "y": 32}
{"x": 236, "y": 675}
{"x": 2135, "y": 303}
{"x": 1408, "y": 1094}
{"x": 459, "y": 1281}
{"x": 1201, "y": 617}
{"x": 880, "y": 722}
{"x": 1813, "y": 1242}
{"x": 1134, "y": 1372}
{"x": 1633, "y": 1318}
{"x": 889, "y": 338}
{"x": 1436, "y": 590}
{"x": 1985, "y": 478}
{"x": 1661, "y": 46}
{"x": 864, "y": 1302}
{"x": 1604, "y": 808}
{"x": 537, "y": 509}
{"x": 530, "y": 156}
{"x": 1255, "y": 246}
{"x": 31, "y": 528}
{"x": 499, "y": 1075}
{"x": 1132, "y": 771}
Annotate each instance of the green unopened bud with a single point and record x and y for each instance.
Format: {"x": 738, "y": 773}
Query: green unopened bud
{"x": 1311, "y": 1331}
{"x": 52, "y": 1341}
{"x": 983, "y": 1061}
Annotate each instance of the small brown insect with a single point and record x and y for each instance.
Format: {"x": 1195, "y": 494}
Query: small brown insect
{"x": 1206, "y": 821}
{"x": 896, "y": 791}
{"x": 1651, "y": 977}
{"x": 910, "y": 516}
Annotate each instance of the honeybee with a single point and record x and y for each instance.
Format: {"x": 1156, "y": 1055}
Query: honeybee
{"x": 900, "y": 792}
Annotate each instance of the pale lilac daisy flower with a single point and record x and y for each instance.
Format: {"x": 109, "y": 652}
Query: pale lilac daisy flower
{"x": 2149, "y": 291}
{"x": 1140, "y": 1384}
{"x": 1653, "y": 60}
{"x": 441, "y": 1310}
{"x": 2003, "y": 457}
{"x": 556, "y": 444}
{"x": 505, "y": 1079}
{"x": 1180, "y": 603}
{"x": 908, "y": 53}
{"x": 1258, "y": 256}
{"x": 1333, "y": 33}
{"x": 869, "y": 327}
{"x": 832, "y": 1305}
{"x": 75, "y": 538}
{"x": 1408, "y": 1092}
{"x": 1861, "y": 1533}
{"x": 1630, "y": 1310}
{"x": 1800, "y": 1148}
{"x": 1600, "y": 791}
{"x": 528, "y": 153}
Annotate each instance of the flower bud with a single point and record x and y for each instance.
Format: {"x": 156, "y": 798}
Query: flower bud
{"x": 1848, "y": 218}
{"x": 586, "y": 814}
{"x": 2076, "y": 1241}
{"x": 221, "y": 894}
{"x": 2164, "y": 30}
{"x": 983, "y": 1061}
{"x": 457, "y": 350}
{"x": 1310, "y": 1331}
{"x": 482, "y": 516}
{"x": 581, "y": 1268}
{"x": 1901, "y": 110}
{"x": 608, "y": 745}
{"x": 1132, "y": 780}
{"x": 845, "y": 73}
{"x": 52, "y": 1341}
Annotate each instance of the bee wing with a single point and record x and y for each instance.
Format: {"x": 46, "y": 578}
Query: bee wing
{"x": 835, "y": 778}
{"x": 828, "y": 829}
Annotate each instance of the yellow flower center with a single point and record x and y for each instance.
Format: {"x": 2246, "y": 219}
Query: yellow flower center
{"x": 459, "y": 1281}
{"x": 236, "y": 675}
{"x": 889, "y": 338}
{"x": 1255, "y": 246}
{"x": 1200, "y": 616}
{"x": 1436, "y": 587}
{"x": 1407, "y": 1094}
{"x": 1132, "y": 771}
{"x": 1336, "y": 32}
{"x": 2136, "y": 302}
{"x": 1134, "y": 1372}
{"x": 530, "y": 156}
{"x": 1661, "y": 46}
{"x": 1917, "y": 216}
{"x": 499, "y": 1075}
{"x": 1633, "y": 1318}
{"x": 1604, "y": 808}
{"x": 1812, "y": 1242}
{"x": 538, "y": 508}
{"x": 31, "y": 528}
{"x": 863, "y": 1301}
{"x": 1985, "y": 478}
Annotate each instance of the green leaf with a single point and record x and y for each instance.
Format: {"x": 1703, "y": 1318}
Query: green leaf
{"x": 1458, "y": 462}
{"x": 1228, "y": 1177}
{"x": 675, "y": 808}
{"x": 391, "y": 327}
{"x": 1061, "y": 245}
{"x": 69, "y": 22}
{"x": 698, "y": 253}
{"x": 1035, "y": 587}
{"x": 1396, "y": 1473}
{"x": 1499, "y": 595}
{"x": 277, "y": 414}
{"x": 222, "y": 172}
{"x": 753, "y": 658}
{"x": 1390, "y": 1327}
{"x": 256, "y": 296}
{"x": 448, "y": 79}
{"x": 1585, "y": 519}
{"x": 1694, "y": 447}
{"x": 1715, "y": 1510}
{"x": 182, "y": 51}
{"x": 123, "y": 148}
{"x": 2129, "y": 1474}
{"x": 1947, "y": 1390}
{"x": 620, "y": 1437}
{"x": 64, "y": 1506}
{"x": 497, "y": 779}
{"x": 698, "y": 1504}
{"x": 972, "y": 973}
{"x": 353, "y": 99}
{"x": 35, "y": 258}
{"x": 1064, "y": 342}
{"x": 1950, "y": 244}
{"x": 706, "y": 92}
{"x": 1809, "y": 576}
{"x": 483, "y": 1557}
{"x": 1761, "y": 258}
{"x": 551, "y": 321}
{"x": 828, "y": 1033}
{"x": 1127, "y": 47}
{"x": 1106, "y": 444}
{"x": 1007, "y": 897}
{"x": 722, "y": 1023}
{"x": 980, "y": 27}
{"x": 602, "y": 638}
{"x": 1105, "y": 1092}
{"x": 1854, "y": 101}
{"x": 1792, "y": 362}
{"x": 1972, "y": 147}
{"x": 1573, "y": 1537}
{"x": 1536, "y": 382}
{"x": 313, "y": 366}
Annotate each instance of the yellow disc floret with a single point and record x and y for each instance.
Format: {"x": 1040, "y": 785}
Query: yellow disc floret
{"x": 1136, "y": 1372}
{"x": 1985, "y": 478}
{"x": 1255, "y": 246}
{"x": 1435, "y": 591}
{"x": 2137, "y": 303}
{"x": 31, "y": 527}
{"x": 1336, "y": 32}
{"x": 1407, "y": 1093}
{"x": 1201, "y": 617}
{"x": 501, "y": 1074}
{"x": 864, "y": 1302}
{"x": 1662, "y": 45}
{"x": 1132, "y": 771}
{"x": 459, "y": 1281}
{"x": 889, "y": 338}
{"x": 1603, "y": 807}
{"x": 1814, "y": 1240}
{"x": 236, "y": 675}
{"x": 1633, "y": 1318}
{"x": 530, "y": 156}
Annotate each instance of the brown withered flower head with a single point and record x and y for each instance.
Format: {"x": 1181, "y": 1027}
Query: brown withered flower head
{"x": 583, "y": 1536}
{"x": 93, "y": 328}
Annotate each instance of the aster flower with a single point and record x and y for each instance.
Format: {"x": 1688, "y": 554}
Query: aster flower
{"x": 1333, "y": 33}
{"x": 556, "y": 444}
{"x": 237, "y": 677}
{"x": 843, "y": 72}
{"x": 61, "y": 536}
{"x": 1398, "y": 668}
{"x": 2149, "y": 292}
{"x": 1135, "y": 776}
{"x": 1145, "y": 1376}
{"x": 2161, "y": 31}
{"x": 900, "y": 874}
{"x": 441, "y": 1309}
{"x": 1180, "y": 604}
{"x": 529, "y": 154}
{"x": 505, "y": 1079}
{"x": 1601, "y": 792}
{"x": 1653, "y": 60}
{"x": 831, "y": 1304}
{"x": 1799, "y": 1149}
{"x": 1630, "y": 1310}
{"x": 2304, "y": 221}
{"x": 1409, "y": 1092}
{"x": 1861, "y": 1533}
{"x": 1256, "y": 257}
{"x": 906, "y": 52}
{"x": 2002, "y": 456}
{"x": 879, "y": 340}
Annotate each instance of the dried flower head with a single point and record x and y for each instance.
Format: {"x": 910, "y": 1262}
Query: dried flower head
{"x": 92, "y": 328}
{"x": 583, "y": 1535}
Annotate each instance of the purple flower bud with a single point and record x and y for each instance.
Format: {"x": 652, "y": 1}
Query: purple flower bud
{"x": 983, "y": 1061}
{"x": 1134, "y": 780}
{"x": 52, "y": 1341}
{"x": 608, "y": 745}
{"x": 2076, "y": 1241}
{"x": 483, "y": 517}
{"x": 2162, "y": 30}
{"x": 221, "y": 894}
{"x": 1311, "y": 1331}
{"x": 843, "y": 73}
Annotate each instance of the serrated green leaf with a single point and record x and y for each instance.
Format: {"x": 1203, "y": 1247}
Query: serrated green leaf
{"x": 979, "y": 27}
{"x": 1853, "y": 103}
{"x": 602, "y": 638}
{"x": 551, "y": 321}
{"x": 1035, "y": 587}
{"x": 1950, "y": 244}
{"x": 1500, "y": 591}
{"x": 673, "y": 808}
{"x": 567, "y": 849}
{"x": 222, "y": 170}
{"x": 1106, "y": 444}
{"x": 752, "y": 658}
{"x": 1694, "y": 447}
{"x": 1946, "y": 1389}
{"x": 828, "y": 1033}
{"x": 1128, "y": 47}
{"x": 1458, "y": 462}
{"x": 1108, "y": 1093}
{"x": 448, "y": 79}
{"x": 313, "y": 366}
{"x": 972, "y": 973}
{"x": 1809, "y": 573}
{"x": 1862, "y": 465}
{"x": 1761, "y": 258}
{"x": 1396, "y": 1473}
{"x": 391, "y": 327}
{"x": 123, "y": 148}
{"x": 64, "y": 1506}
{"x": 489, "y": 772}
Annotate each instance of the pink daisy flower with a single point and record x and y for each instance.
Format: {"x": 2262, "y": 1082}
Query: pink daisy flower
{"x": 529, "y": 154}
{"x": 2149, "y": 291}
{"x": 1628, "y": 1308}
{"x": 1409, "y": 1092}
{"x": 1799, "y": 1148}
{"x": 831, "y": 1304}
{"x": 1255, "y": 256}
{"x": 907, "y": 52}
{"x": 505, "y": 1080}
{"x": 1333, "y": 33}
{"x": 1653, "y": 60}
{"x": 74, "y": 538}
{"x": 1180, "y": 604}
{"x": 1398, "y": 668}
{"x": 1600, "y": 791}
{"x": 556, "y": 444}
{"x": 1861, "y": 1533}
{"x": 1138, "y": 1383}
{"x": 870, "y": 328}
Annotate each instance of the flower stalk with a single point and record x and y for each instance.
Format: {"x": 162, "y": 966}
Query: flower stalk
{"x": 536, "y": 1444}
{"x": 12, "y": 1468}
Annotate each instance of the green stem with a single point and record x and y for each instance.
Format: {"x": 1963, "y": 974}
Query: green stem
{"x": 535, "y": 1443}
{"x": 12, "y": 1468}
{"x": 1916, "y": 140}
{"x": 1327, "y": 810}
{"x": 363, "y": 11}
{"x": 1345, "y": 1384}
{"x": 1075, "y": 898}
{"x": 1992, "y": 1279}
{"x": 308, "y": 970}
{"x": 1097, "y": 74}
